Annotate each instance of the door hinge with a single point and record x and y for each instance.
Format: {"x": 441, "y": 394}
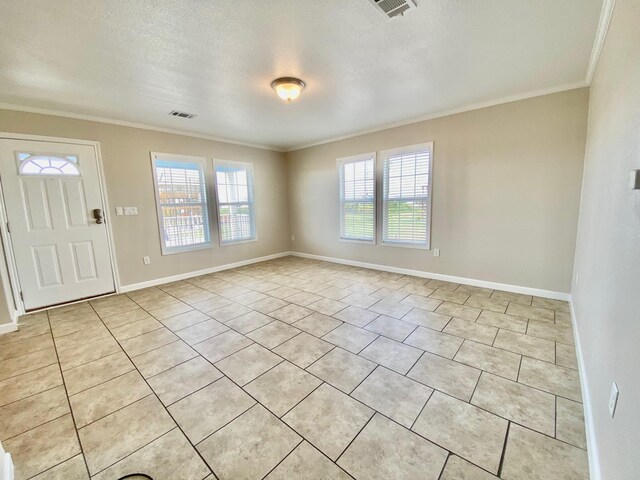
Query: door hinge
{"x": 8, "y": 227}
{"x": 21, "y": 296}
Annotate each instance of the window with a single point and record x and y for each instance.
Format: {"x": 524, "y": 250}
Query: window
{"x": 236, "y": 216}
{"x": 406, "y": 205}
{"x": 181, "y": 198}
{"x": 35, "y": 164}
{"x": 357, "y": 198}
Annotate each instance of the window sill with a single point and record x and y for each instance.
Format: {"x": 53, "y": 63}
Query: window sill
{"x": 362, "y": 242}
{"x": 405, "y": 245}
{"x": 237, "y": 242}
{"x": 173, "y": 251}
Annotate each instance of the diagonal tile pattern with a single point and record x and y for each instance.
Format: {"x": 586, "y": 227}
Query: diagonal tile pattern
{"x": 295, "y": 368}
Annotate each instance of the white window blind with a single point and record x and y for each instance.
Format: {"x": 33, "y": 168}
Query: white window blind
{"x": 357, "y": 198}
{"x": 236, "y": 216}
{"x": 181, "y": 197}
{"x": 406, "y": 206}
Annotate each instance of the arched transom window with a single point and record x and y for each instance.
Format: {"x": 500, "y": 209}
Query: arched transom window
{"x": 38, "y": 164}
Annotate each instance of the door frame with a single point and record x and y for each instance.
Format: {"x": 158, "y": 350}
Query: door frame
{"x": 8, "y": 268}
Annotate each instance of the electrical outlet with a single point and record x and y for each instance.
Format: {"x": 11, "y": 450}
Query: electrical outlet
{"x": 436, "y": 252}
{"x": 146, "y": 260}
{"x": 130, "y": 210}
{"x": 613, "y": 399}
{"x": 293, "y": 238}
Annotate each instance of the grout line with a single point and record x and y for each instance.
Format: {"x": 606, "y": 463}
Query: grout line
{"x": 364, "y": 380}
{"x": 160, "y": 403}
{"x": 375, "y": 412}
{"x": 101, "y": 383}
{"x": 504, "y": 450}
{"x": 195, "y": 445}
{"x": 28, "y": 371}
{"x": 29, "y": 396}
{"x": 195, "y": 391}
{"x": 58, "y": 464}
{"x": 266, "y": 277}
{"x": 519, "y": 368}
{"x": 555, "y": 417}
{"x": 444, "y": 466}
{"x": 414, "y": 363}
{"x": 73, "y": 419}
{"x": 30, "y": 351}
{"x": 302, "y": 440}
{"x": 421, "y": 410}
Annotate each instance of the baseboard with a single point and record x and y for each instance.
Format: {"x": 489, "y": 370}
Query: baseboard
{"x": 374, "y": 266}
{"x": 592, "y": 444}
{"x": 6, "y": 465}
{"x": 439, "y": 276}
{"x": 184, "y": 276}
{"x": 8, "y": 327}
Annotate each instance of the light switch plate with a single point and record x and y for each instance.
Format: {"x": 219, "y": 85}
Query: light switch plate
{"x": 119, "y": 211}
{"x": 635, "y": 180}
{"x": 130, "y": 210}
{"x": 613, "y": 399}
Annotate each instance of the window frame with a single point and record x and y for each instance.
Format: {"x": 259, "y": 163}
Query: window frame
{"x": 251, "y": 201}
{"x": 384, "y": 156}
{"x": 60, "y": 156}
{"x": 340, "y": 163}
{"x": 202, "y": 162}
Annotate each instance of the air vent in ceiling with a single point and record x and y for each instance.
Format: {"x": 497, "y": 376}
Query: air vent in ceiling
{"x": 393, "y": 8}
{"x": 176, "y": 113}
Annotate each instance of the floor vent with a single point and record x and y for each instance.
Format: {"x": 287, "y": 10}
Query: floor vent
{"x": 394, "y": 8}
{"x": 176, "y": 113}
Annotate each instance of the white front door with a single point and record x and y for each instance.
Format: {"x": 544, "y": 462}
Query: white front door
{"x": 56, "y": 221}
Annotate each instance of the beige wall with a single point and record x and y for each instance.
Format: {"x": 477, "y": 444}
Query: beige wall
{"x": 606, "y": 292}
{"x": 506, "y": 189}
{"x": 127, "y": 166}
{"x": 506, "y": 192}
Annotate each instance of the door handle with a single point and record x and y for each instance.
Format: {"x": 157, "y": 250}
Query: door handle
{"x": 97, "y": 214}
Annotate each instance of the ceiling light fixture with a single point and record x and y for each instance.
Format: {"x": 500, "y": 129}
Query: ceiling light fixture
{"x": 288, "y": 88}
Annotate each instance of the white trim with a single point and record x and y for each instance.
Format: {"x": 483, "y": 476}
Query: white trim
{"x": 8, "y": 327}
{"x": 601, "y": 35}
{"x": 123, "y": 123}
{"x": 293, "y": 148}
{"x": 405, "y": 245}
{"x": 6, "y": 465}
{"x": 248, "y": 166}
{"x": 340, "y": 163}
{"x": 592, "y": 443}
{"x": 184, "y": 276}
{"x": 384, "y": 164}
{"x": 439, "y": 276}
{"x": 443, "y": 113}
{"x": 8, "y": 272}
{"x": 202, "y": 161}
{"x": 11, "y": 264}
{"x": 107, "y": 217}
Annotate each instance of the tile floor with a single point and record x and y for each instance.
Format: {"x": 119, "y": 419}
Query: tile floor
{"x": 296, "y": 369}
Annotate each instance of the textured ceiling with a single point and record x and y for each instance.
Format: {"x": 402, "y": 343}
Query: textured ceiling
{"x": 135, "y": 61}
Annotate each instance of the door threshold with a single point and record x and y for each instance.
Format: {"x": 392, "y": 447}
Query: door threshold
{"x": 66, "y": 304}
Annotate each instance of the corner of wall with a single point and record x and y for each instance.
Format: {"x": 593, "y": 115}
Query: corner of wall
{"x": 592, "y": 442}
{"x": 286, "y": 157}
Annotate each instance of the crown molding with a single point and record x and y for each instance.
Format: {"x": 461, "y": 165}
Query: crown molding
{"x": 123, "y": 123}
{"x": 445, "y": 113}
{"x": 601, "y": 35}
{"x": 387, "y": 126}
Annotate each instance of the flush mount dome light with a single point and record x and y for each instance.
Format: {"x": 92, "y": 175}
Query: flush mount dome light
{"x": 288, "y": 88}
